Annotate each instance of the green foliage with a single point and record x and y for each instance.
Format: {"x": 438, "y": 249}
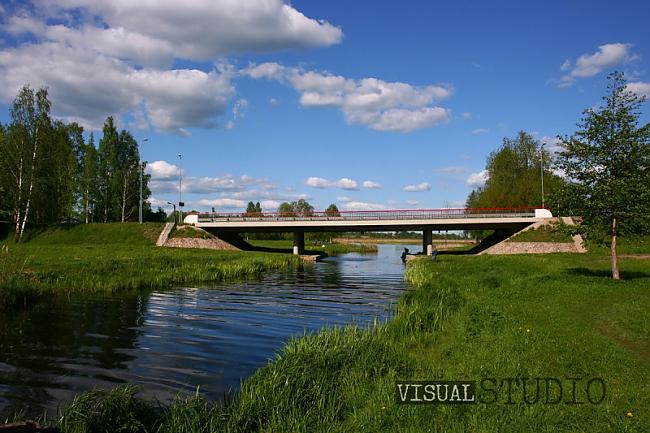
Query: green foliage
{"x": 608, "y": 162}
{"x": 514, "y": 175}
{"x": 300, "y": 208}
{"x": 332, "y": 211}
{"x": 254, "y": 209}
{"x": 49, "y": 174}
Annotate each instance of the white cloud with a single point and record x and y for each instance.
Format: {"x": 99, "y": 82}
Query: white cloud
{"x": 640, "y": 88}
{"x": 230, "y": 125}
{"x": 424, "y": 186}
{"x": 466, "y": 115}
{"x": 451, "y": 170}
{"x": 199, "y": 30}
{"x": 343, "y": 198}
{"x": 371, "y": 184}
{"x": 477, "y": 179}
{"x": 269, "y": 205}
{"x": 360, "y": 205}
{"x": 378, "y": 104}
{"x": 239, "y": 109}
{"x": 343, "y": 183}
{"x": 318, "y": 182}
{"x": 480, "y": 131}
{"x": 206, "y": 185}
{"x": 412, "y": 202}
{"x": 588, "y": 65}
{"x": 274, "y": 101}
{"x": 227, "y": 203}
{"x": 114, "y": 58}
{"x": 87, "y": 87}
{"x": 162, "y": 170}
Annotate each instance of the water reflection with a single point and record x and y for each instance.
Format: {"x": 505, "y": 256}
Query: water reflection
{"x": 173, "y": 341}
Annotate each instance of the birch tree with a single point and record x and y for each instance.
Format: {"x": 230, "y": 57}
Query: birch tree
{"x": 29, "y": 127}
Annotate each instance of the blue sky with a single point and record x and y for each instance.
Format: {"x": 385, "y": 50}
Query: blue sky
{"x": 366, "y": 104}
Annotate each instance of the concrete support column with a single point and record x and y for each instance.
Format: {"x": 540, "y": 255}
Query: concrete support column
{"x": 427, "y": 242}
{"x": 298, "y": 243}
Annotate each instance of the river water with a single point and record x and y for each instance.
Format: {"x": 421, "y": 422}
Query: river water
{"x": 174, "y": 341}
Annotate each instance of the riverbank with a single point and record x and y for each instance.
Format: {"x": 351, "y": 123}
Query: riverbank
{"x": 467, "y": 318}
{"x": 114, "y": 257}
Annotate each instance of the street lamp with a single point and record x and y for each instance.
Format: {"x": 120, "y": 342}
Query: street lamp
{"x": 142, "y": 164}
{"x": 541, "y": 170}
{"x": 180, "y": 189}
{"x": 173, "y": 204}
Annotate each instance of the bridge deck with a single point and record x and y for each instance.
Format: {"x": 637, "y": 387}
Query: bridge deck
{"x": 384, "y": 220}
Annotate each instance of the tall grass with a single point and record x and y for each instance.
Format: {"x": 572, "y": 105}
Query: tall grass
{"x": 112, "y": 258}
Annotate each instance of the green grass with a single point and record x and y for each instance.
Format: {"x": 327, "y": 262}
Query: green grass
{"x": 114, "y": 257}
{"x": 545, "y": 233}
{"x": 329, "y": 248}
{"x": 465, "y": 318}
{"x": 187, "y": 231}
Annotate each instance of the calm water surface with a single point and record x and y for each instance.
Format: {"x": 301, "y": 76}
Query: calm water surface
{"x": 172, "y": 341}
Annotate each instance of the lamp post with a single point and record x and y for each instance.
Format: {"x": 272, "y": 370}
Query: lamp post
{"x": 142, "y": 164}
{"x": 541, "y": 170}
{"x": 173, "y": 204}
{"x": 180, "y": 189}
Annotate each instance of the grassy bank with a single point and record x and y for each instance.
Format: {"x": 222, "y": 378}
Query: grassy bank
{"x": 329, "y": 248}
{"x": 471, "y": 318}
{"x": 113, "y": 257}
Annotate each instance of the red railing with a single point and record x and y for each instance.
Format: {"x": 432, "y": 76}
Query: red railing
{"x": 363, "y": 215}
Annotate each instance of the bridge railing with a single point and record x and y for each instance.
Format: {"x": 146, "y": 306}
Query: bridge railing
{"x": 384, "y": 214}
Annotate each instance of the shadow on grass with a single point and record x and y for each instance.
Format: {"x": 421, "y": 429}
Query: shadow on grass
{"x": 625, "y": 275}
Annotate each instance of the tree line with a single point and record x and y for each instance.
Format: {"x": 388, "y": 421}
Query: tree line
{"x": 50, "y": 174}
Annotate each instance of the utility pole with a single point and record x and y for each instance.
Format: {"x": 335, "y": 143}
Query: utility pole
{"x": 541, "y": 170}
{"x": 180, "y": 190}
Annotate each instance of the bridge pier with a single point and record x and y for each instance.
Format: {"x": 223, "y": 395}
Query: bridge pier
{"x": 427, "y": 242}
{"x": 298, "y": 243}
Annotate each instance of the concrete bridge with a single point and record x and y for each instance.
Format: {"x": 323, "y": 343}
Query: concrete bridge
{"x": 425, "y": 220}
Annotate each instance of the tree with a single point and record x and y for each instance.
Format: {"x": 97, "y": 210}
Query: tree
{"x": 88, "y": 180}
{"x": 22, "y": 152}
{"x": 513, "y": 175}
{"x": 258, "y": 208}
{"x": 286, "y": 210}
{"x": 303, "y": 208}
{"x": 608, "y": 164}
{"x": 332, "y": 211}
{"x": 250, "y": 209}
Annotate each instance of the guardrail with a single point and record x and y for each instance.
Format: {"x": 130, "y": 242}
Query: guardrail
{"x": 374, "y": 215}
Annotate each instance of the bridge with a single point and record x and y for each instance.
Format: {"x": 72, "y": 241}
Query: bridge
{"x": 425, "y": 220}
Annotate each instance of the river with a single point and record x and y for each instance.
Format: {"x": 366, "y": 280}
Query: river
{"x": 171, "y": 342}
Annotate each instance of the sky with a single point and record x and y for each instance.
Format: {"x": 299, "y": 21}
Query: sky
{"x": 365, "y": 104}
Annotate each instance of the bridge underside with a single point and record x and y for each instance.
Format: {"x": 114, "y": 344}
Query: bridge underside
{"x": 426, "y": 226}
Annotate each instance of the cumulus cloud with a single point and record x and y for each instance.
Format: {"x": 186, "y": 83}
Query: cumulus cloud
{"x": 640, "y": 88}
{"x": 360, "y": 205}
{"x": 424, "y": 186}
{"x": 476, "y": 180}
{"x": 466, "y": 115}
{"x": 343, "y": 183}
{"x": 162, "y": 170}
{"x": 371, "y": 184}
{"x": 199, "y": 185}
{"x": 588, "y": 65}
{"x": 480, "y": 131}
{"x": 114, "y": 58}
{"x": 343, "y": 198}
{"x": 412, "y": 202}
{"x": 87, "y": 87}
{"x": 378, "y": 104}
